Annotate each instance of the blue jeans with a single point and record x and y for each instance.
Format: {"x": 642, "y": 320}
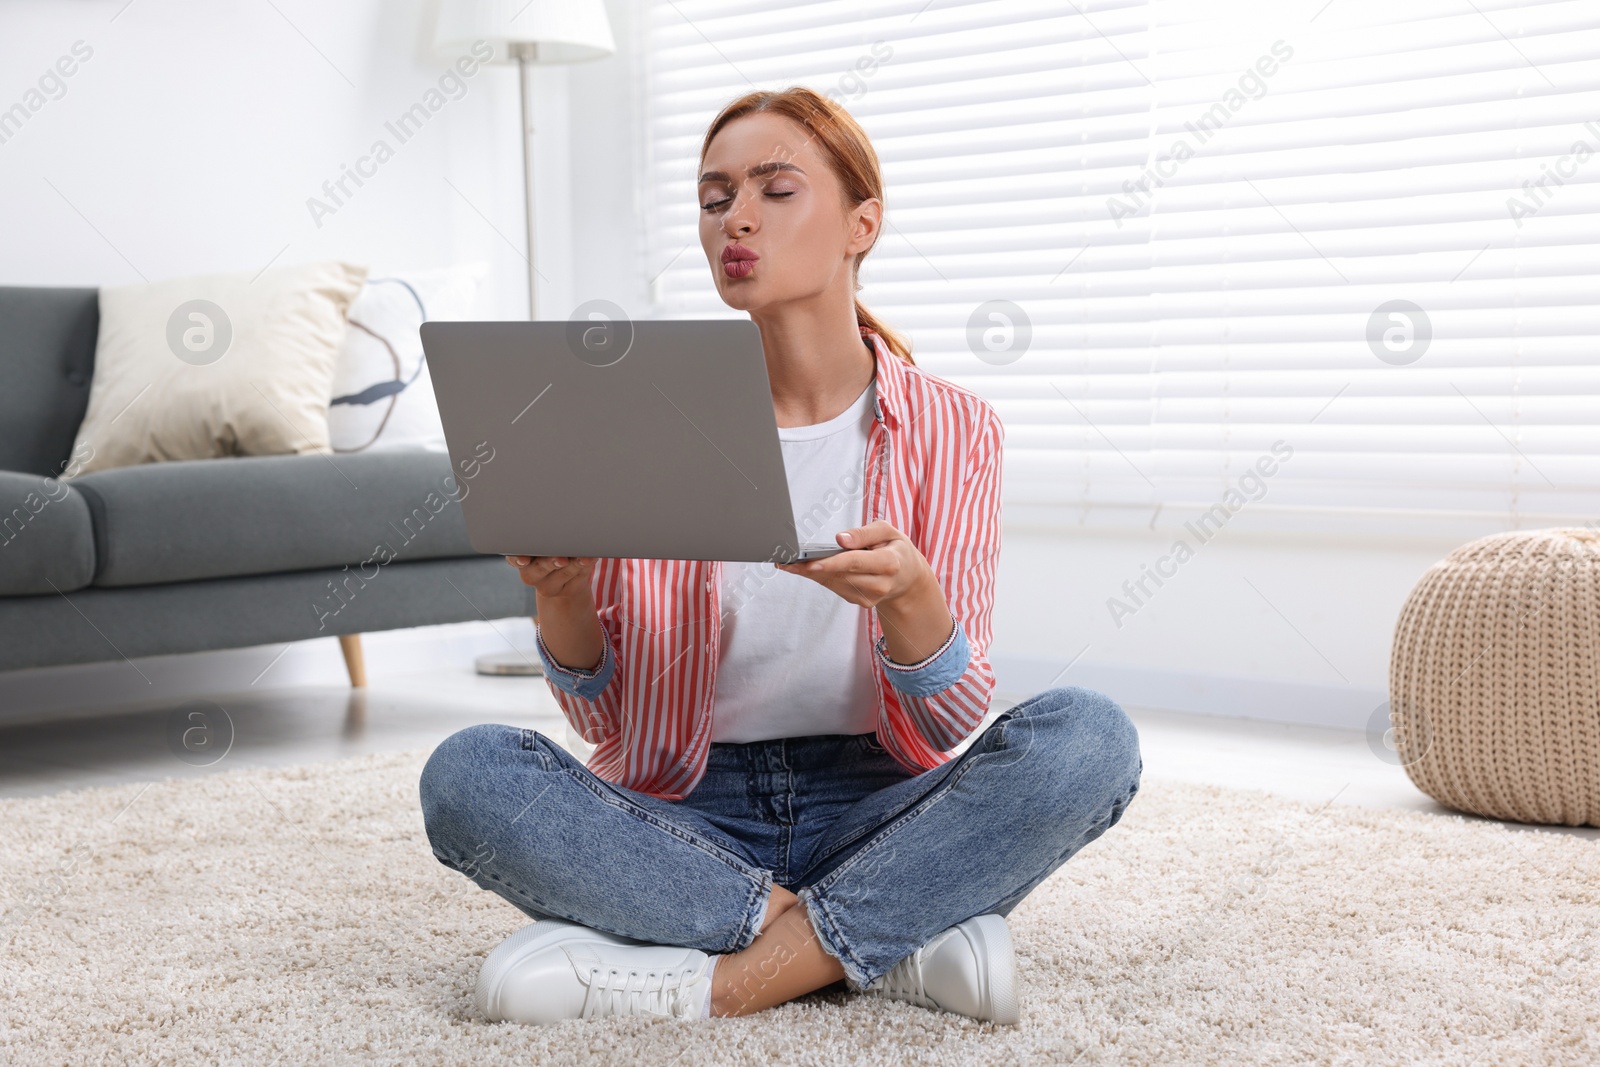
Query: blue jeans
{"x": 881, "y": 858}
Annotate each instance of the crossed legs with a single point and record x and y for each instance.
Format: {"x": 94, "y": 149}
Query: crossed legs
{"x": 786, "y": 960}
{"x": 970, "y": 837}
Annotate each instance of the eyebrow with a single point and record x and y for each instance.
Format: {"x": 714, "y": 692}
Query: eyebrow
{"x": 769, "y": 167}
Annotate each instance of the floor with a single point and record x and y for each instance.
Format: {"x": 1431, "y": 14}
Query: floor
{"x": 312, "y": 724}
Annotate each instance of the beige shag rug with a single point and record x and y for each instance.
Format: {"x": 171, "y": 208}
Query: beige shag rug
{"x": 297, "y": 917}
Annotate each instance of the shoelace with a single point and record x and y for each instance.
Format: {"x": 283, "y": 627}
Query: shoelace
{"x": 904, "y": 981}
{"x": 614, "y": 991}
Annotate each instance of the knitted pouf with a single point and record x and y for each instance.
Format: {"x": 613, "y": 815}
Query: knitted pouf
{"x": 1494, "y": 678}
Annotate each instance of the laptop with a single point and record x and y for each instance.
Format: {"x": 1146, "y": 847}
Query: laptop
{"x": 647, "y": 440}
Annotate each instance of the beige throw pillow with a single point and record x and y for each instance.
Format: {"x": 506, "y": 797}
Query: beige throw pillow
{"x": 217, "y": 365}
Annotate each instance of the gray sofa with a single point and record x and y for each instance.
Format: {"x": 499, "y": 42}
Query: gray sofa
{"x": 218, "y": 553}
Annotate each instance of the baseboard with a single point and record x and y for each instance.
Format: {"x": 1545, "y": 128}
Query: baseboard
{"x": 91, "y": 688}
{"x": 1298, "y": 703}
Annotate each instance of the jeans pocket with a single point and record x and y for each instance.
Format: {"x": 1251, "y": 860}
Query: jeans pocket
{"x": 530, "y": 743}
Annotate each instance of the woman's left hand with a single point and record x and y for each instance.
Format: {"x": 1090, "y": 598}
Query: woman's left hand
{"x": 880, "y": 564}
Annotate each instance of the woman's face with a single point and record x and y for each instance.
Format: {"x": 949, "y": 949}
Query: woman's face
{"x": 766, "y": 188}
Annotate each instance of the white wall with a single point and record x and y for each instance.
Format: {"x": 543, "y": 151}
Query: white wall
{"x": 191, "y": 139}
{"x": 1291, "y": 627}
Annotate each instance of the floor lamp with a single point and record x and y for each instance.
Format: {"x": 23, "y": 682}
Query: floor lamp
{"x": 525, "y": 32}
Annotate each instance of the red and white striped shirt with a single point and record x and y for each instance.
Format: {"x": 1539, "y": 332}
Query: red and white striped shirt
{"x": 933, "y": 473}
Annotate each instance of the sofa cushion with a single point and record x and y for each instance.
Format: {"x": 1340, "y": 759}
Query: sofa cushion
{"x": 46, "y": 539}
{"x": 46, "y": 363}
{"x": 214, "y": 518}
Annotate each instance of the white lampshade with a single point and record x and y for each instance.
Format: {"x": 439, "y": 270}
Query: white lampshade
{"x": 565, "y": 31}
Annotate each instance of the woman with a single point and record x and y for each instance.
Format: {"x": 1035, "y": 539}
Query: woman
{"x": 773, "y": 805}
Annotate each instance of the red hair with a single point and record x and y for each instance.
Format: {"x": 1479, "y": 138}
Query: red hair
{"x": 849, "y": 153}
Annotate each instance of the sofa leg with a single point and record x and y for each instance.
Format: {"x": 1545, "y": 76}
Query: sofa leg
{"x": 354, "y": 662}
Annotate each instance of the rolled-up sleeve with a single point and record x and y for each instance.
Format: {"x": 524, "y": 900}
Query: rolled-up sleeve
{"x": 579, "y": 683}
{"x": 939, "y": 670}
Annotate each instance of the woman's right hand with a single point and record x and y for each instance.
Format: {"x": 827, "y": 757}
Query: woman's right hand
{"x": 555, "y": 576}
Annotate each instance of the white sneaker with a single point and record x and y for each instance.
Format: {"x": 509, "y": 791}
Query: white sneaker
{"x": 969, "y": 969}
{"x": 554, "y": 970}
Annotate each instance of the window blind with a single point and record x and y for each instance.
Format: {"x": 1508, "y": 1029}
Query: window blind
{"x": 1357, "y": 243}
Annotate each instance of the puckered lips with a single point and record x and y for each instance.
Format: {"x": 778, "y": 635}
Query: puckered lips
{"x": 738, "y": 260}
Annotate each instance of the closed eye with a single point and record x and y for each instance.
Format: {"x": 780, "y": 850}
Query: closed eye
{"x": 713, "y": 205}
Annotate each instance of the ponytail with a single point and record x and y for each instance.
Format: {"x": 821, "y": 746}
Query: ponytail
{"x": 895, "y": 342}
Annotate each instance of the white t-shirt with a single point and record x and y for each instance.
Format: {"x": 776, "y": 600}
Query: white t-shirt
{"x": 796, "y": 658}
